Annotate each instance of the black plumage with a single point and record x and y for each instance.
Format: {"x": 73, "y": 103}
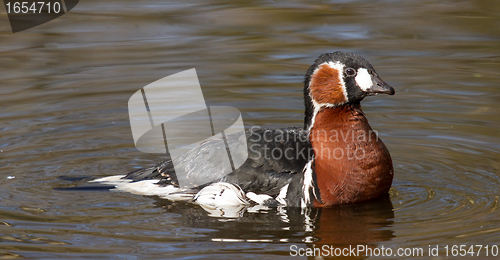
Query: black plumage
{"x": 276, "y": 157}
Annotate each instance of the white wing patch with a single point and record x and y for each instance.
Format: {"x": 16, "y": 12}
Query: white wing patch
{"x": 258, "y": 198}
{"x": 363, "y": 79}
{"x": 220, "y": 199}
{"x": 221, "y": 194}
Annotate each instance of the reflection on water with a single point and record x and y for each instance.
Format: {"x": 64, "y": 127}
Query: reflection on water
{"x": 63, "y": 121}
{"x": 364, "y": 223}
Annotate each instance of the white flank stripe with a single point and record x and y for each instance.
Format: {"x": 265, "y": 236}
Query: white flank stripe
{"x": 281, "y": 197}
{"x": 308, "y": 184}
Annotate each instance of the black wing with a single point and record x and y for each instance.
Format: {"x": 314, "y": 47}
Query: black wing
{"x": 275, "y": 157}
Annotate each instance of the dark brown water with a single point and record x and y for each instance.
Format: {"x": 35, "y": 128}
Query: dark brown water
{"x": 64, "y": 88}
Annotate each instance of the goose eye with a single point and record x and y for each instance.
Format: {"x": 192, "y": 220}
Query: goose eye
{"x": 350, "y": 72}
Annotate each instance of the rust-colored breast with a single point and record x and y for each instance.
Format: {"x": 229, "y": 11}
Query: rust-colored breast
{"x": 325, "y": 86}
{"x": 351, "y": 163}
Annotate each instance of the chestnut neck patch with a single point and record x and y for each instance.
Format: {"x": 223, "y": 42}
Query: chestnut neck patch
{"x": 327, "y": 86}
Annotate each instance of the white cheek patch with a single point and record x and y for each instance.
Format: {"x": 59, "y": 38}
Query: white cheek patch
{"x": 363, "y": 79}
